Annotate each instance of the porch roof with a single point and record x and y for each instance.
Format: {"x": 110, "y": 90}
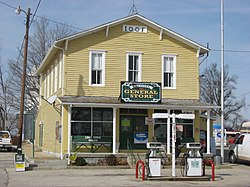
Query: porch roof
{"x": 102, "y": 101}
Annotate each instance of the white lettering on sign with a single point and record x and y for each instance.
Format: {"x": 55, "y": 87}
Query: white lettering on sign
{"x": 133, "y": 28}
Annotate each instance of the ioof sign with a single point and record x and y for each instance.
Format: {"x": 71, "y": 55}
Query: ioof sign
{"x": 134, "y": 28}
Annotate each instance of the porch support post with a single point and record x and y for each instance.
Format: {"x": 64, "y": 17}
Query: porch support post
{"x": 114, "y": 130}
{"x": 168, "y": 133}
{"x": 208, "y": 131}
{"x": 69, "y": 131}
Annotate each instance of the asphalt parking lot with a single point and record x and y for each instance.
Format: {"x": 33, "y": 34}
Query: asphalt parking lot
{"x": 228, "y": 175}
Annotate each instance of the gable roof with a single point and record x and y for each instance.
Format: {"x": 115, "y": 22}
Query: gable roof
{"x": 140, "y": 18}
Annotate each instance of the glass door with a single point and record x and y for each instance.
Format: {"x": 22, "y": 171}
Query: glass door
{"x": 133, "y": 132}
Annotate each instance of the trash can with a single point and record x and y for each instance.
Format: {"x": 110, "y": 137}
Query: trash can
{"x": 19, "y": 160}
{"x": 217, "y": 160}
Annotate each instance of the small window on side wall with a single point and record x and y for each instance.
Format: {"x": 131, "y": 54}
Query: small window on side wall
{"x": 97, "y": 68}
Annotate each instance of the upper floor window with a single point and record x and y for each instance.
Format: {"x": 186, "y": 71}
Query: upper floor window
{"x": 134, "y": 67}
{"x": 169, "y": 71}
{"x": 97, "y": 68}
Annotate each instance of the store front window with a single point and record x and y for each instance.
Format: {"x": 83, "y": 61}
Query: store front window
{"x": 91, "y": 121}
{"x": 184, "y": 128}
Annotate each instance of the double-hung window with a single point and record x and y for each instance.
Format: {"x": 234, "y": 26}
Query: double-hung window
{"x": 134, "y": 67}
{"x": 97, "y": 68}
{"x": 169, "y": 71}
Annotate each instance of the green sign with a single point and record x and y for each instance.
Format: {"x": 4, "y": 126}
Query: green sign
{"x": 140, "y": 92}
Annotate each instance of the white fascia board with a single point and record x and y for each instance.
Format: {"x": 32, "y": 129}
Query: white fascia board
{"x": 42, "y": 65}
{"x": 50, "y": 54}
{"x": 141, "y": 106}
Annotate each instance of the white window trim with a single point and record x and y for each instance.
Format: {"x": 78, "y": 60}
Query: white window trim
{"x": 174, "y": 81}
{"x": 60, "y": 77}
{"x": 52, "y": 80}
{"x": 56, "y": 76}
{"x": 103, "y": 52}
{"x": 140, "y": 64}
{"x": 48, "y": 83}
{"x": 45, "y": 85}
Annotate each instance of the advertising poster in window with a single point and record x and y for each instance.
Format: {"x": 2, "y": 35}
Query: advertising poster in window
{"x": 140, "y": 137}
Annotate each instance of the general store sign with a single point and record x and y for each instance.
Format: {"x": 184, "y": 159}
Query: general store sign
{"x": 140, "y": 92}
{"x": 134, "y": 28}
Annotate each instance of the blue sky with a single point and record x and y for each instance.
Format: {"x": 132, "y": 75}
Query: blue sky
{"x": 198, "y": 20}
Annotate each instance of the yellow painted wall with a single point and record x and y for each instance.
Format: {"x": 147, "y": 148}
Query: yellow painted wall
{"x": 48, "y": 116}
{"x": 116, "y": 45}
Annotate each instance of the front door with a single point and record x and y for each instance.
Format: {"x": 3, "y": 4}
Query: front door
{"x": 133, "y": 132}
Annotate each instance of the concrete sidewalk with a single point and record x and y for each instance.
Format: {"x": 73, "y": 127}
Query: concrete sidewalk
{"x": 38, "y": 153}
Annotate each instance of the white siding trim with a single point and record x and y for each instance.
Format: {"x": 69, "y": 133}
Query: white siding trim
{"x": 114, "y": 131}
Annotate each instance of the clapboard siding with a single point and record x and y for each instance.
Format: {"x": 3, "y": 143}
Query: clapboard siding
{"x": 116, "y": 44}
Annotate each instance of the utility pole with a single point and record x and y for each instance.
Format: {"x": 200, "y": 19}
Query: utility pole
{"x": 25, "y": 54}
{"x": 5, "y": 108}
{"x": 222, "y": 81}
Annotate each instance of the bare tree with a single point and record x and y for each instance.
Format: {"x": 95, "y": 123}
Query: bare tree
{"x": 7, "y": 108}
{"x": 211, "y": 92}
{"x": 40, "y": 41}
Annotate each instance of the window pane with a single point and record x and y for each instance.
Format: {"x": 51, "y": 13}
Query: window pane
{"x": 165, "y": 79}
{"x": 99, "y": 77}
{"x": 187, "y": 131}
{"x": 171, "y": 69}
{"x": 136, "y": 62}
{"x": 97, "y": 115}
{"x": 93, "y": 76}
{"x": 130, "y": 76}
{"x": 97, "y": 130}
{"x": 136, "y": 76}
{"x": 107, "y": 129}
{"x": 81, "y": 114}
{"x": 171, "y": 83}
{"x": 80, "y": 129}
{"x": 108, "y": 115}
{"x": 102, "y": 114}
{"x": 130, "y": 62}
{"x": 160, "y": 132}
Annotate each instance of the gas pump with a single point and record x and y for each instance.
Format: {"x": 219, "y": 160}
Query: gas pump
{"x": 154, "y": 157}
{"x": 192, "y": 165}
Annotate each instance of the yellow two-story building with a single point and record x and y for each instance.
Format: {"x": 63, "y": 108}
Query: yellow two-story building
{"x": 100, "y": 88}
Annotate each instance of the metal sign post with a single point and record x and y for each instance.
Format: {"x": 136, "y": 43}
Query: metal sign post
{"x": 173, "y": 143}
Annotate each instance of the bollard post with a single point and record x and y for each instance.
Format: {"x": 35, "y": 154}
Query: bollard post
{"x": 137, "y": 169}
{"x": 212, "y": 164}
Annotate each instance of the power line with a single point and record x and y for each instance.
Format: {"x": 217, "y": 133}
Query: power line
{"x": 59, "y": 23}
{"x": 41, "y": 17}
{"x": 231, "y": 51}
{"x": 243, "y": 94}
{"x": 35, "y": 12}
{"x": 8, "y": 5}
